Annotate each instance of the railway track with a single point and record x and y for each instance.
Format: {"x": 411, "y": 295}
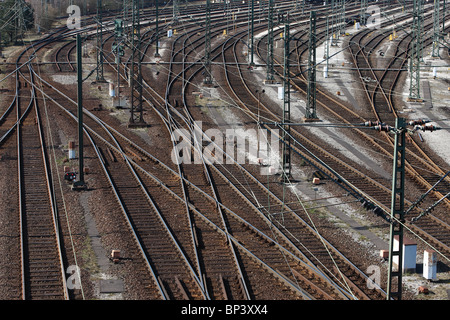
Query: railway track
{"x": 314, "y": 248}
{"x": 419, "y": 165}
{"x": 64, "y": 57}
{"x": 247, "y": 226}
{"x": 188, "y": 288}
{"x": 381, "y": 191}
{"x": 187, "y": 169}
{"x": 43, "y": 272}
{"x": 188, "y": 81}
{"x": 177, "y": 239}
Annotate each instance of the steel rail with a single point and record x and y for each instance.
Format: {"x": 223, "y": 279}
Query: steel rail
{"x": 53, "y": 208}
{"x": 189, "y": 123}
{"x": 176, "y": 196}
{"x": 345, "y": 120}
{"x": 424, "y": 159}
{"x": 89, "y": 132}
{"x": 188, "y": 82}
{"x": 166, "y": 99}
{"x": 243, "y": 104}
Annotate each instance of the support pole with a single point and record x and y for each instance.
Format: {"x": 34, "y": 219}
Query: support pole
{"x": 19, "y": 27}
{"x": 341, "y": 17}
{"x": 100, "y": 77}
{"x": 326, "y": 55}
{"x": 416, "y": 52}
{"x": 397, "y": 212}
{"x": 118, "y": 50}
{"x": 270, "y": 71}
{"x": 80, "y": 184}
{"x": 137, "y": 111}
{"x": 176, "y": 12}
{"x": 436, "y": 31}
{"x": 252, "y": 63}
{"x": 126, "y": 15}
{"x": 334, "y": 22}
{"x": 157, "y": 29}
{"x": 286, "y": 154}
{"x": 362, "y": 15}
{"x": 226, "y": 8}
{"x": 208, "y": 77}
{"x": 311, "y": 114}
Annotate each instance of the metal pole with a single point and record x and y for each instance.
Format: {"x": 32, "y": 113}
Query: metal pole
{"x": 176, "y": 11}
{"x": 137, "y": 112}
{"x": 362, "y": 15}
{"x": 99, "y": 43}
{"x": 80, "y": 184}
{"x": 397, "y": 211}
{"x": 311, "y": 114}
{"x": 80, "y": 107}
{"x": 126, "y": 5}
{"x": 416, "y": 52}
{"x": 334, "y": 22}
{"x": 286, "y": 156}
{"x": 436, "y": 31}
{"x": 252, "y": 63}
{"x": 208, "y": 77}
{"x": 270, "y": 72}
{"x": 157, "y": 28}
{"x": 118, "y": 51}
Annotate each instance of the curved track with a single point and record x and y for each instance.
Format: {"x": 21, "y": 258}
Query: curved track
{"x": 193, "y": 238}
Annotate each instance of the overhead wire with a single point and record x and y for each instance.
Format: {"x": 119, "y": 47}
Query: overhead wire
{"x": 396, "y": 220}
{"x": 228, "y": 103}
{"x": 270, "y": 217}
{"x": 251, "y": 193}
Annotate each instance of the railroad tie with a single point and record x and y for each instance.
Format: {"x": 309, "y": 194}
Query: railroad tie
{"x": 357, "y": 290}
{"x": 222, "y": 287}
{"x": 134, "y": 154}
{"x": 194, "y": 228}
{"x": 102, "y": 156}
{"x": 241, "y": 285}
{"x": 161, "y": 284}
{"x": 111, "y": 155}
{"x": 312, "y": 285}
{"x": 181, "y": 288}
